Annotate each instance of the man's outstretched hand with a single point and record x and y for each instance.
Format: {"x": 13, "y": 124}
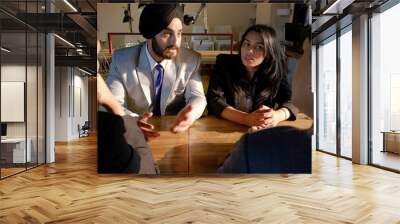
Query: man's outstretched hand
{"x": 147, "y": 128}
{"x": 184, "y": 120}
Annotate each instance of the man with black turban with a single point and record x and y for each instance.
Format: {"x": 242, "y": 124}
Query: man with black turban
{"x": 158, "y": 76}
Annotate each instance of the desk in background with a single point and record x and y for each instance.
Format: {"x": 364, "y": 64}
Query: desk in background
{"x": 13, "y": 150}
{"x": 202, "y": 148}
{"x": 391, "y": 141}
{"x": 207, "y": 57}
{"x": 210, "y": 57}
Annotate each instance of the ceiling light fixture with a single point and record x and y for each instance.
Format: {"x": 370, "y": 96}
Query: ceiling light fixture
{"x": 5, "y": 50}
{"x": 65, "y": 41}
{"x": 84, "y": 71}
{"x": 337, "y": 7}
{"x": 70, "y": 5}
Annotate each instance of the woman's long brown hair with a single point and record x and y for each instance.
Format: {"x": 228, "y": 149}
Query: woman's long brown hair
{"x": 274, "y": 67}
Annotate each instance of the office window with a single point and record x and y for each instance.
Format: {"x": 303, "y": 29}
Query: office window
{"x": 346, "y": 92}
{"x": 385, "y": 88}
{"x": 326, "y": 98}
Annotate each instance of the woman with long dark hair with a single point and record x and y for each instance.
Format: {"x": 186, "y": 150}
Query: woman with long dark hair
{"x": 251, "y": 88}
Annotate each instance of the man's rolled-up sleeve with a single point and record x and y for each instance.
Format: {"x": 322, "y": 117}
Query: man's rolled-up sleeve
{"x": 194, "y": 93}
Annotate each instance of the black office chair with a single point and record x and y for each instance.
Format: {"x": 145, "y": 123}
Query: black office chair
{"x": 84, "y": 130}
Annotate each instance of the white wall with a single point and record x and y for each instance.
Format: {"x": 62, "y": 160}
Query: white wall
{"x": 61, "y": 103}
{"x": 267, "y": 14}
{"x": 70, "y": 84}
{"x": 109, "y": 17}
{"x": 14, "y": 73}
{"x": 263, "y": 13}
{"x": 238, "y": 15}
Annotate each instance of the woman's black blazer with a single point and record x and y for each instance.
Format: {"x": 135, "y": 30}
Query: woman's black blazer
{"x": 221, "y": 89}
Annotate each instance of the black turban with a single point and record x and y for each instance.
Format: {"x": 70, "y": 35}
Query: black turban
{"x": 156, "y": 17}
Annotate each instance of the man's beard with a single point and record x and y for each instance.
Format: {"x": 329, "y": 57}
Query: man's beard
{"x": 163, "y": 53}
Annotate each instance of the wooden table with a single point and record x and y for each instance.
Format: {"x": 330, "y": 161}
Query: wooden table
{"x": 204, "y": 146}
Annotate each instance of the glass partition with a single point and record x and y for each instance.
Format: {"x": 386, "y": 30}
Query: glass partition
{"x": 22, "y": 64}
{"x": 14, "y": 153}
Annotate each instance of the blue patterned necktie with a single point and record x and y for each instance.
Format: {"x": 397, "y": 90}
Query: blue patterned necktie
{"x": 157, "y": 90}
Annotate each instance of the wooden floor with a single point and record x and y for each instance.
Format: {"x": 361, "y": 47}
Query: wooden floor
{"x": 10, "y": 171}
{"x": 70, "y": 191}
{"x": 386, "y": 159}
